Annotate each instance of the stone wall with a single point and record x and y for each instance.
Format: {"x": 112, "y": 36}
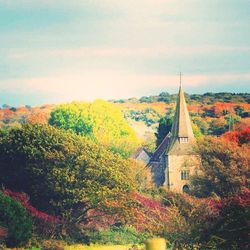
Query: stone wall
{"x": 176, "y": 164}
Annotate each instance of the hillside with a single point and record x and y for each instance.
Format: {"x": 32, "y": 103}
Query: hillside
{"x": 213, "y": 113}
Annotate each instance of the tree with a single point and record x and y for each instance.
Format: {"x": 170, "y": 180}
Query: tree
{"x": 224, "y": 169}
{"x": 99, "y": 121}
{"x": 229, "y": 227}
{"x": 239, "y": 110}
{"x": 218, "y": 126}
{"x": 231, "y": 120}
{"x": 164, "y": 128}
{"x": 197, "y": 131}
{"x": 64, "y": 174}
{"x": 202, "y": 124}
{"x": 240, "y": 137}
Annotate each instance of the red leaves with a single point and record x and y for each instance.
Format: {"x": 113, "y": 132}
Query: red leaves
{"x": 241, "y": 200}
{"x": 24, "y": 200}
{"x": 150, "y": 213}
{"x": 240, "y": 137}
{"x": 3, "y": 232}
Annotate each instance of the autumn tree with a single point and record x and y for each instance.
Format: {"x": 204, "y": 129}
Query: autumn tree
{"x": 224, "y": 169}
{"x": 202, "y": 124}
{"x": 239, "y": 136}
{"x": 99, "y": 121}
{"x": 218, "y": 126}
{"x": 63, "y": 173}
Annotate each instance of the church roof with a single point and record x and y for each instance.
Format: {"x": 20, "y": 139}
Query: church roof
{"x": 161, "y": 149}
{"x": 139, "y": 151}
{"x": 181, "y": 125}
{"x": 181, "y": 128}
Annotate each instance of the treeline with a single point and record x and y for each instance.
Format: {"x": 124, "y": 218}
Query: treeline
{"x": 207, "y": 98}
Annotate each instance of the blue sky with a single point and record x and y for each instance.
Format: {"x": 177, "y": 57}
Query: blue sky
{"x": 58, "y": 51}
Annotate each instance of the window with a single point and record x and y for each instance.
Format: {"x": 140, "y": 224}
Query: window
{"x": 185, "y": 175}
{"x": 183, "y": 139}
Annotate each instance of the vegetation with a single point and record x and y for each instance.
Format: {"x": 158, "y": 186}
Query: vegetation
{"x": 207, "y": 98}
{"x": 67, "y": 177}
{"x": 100, "y": 121}
{"x": 119, "y": 236}
{"x": 14, "y": 217}
{"x": 64, "y": 174}
{"x": 224, "y": 170}
{"x": 165, "y": 125}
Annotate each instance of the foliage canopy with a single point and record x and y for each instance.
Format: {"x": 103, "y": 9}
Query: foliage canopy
{"x": 63, "y": 173}
{"x": 100, "y": 121}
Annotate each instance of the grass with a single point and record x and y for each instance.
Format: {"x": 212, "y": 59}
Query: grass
{"x": 98, "y": 247}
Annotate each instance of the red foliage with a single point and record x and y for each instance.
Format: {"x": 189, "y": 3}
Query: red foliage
{"x": 244, "y": 135}
{"x": 242, "y": 200}
{"x": 131, "y": 208}
{"x": 149, "y": 214}
{"x": 3, "y": 232}
{"x": 24, "y": 200}
{"x": 240, "y": 137}
{"x": 99, "y": 220}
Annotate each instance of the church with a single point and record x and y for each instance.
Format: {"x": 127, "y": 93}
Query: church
{"x": 174, "y": 161}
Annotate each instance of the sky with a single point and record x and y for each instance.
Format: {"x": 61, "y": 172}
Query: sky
{"x": 55, "y": 51}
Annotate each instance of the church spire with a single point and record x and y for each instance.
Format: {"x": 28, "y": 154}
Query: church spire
{"x": 181, "y": 127}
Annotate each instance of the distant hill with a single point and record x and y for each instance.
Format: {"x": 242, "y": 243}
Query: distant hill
{"x": 207, "y": 98}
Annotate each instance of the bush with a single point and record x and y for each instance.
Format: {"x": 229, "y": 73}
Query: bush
{"x": 119, "y": 236}
{"x": 14, "y": 217}
{"x": 63, "y": 174}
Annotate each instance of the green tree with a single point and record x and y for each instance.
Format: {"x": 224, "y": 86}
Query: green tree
{"x": 197, "y": 131}
{"x": 63, "y": 173}
{"x": 100, "y": 121}
{"x": 202, "y": 124}
{"x": 164, "y": 128}
{"x": 231, "y": 120}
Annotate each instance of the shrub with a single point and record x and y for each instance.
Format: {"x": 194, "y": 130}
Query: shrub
{"x": 14, "y": 217}
{"x": 64, "y": 175}
{"x": 119, "y": 235}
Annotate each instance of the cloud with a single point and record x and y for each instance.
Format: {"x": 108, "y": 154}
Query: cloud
{"x": 126, "y": 52}
{"x": 110, "y": 85}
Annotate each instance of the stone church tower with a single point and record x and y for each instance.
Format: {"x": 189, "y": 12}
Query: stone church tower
{"x": 174, "y": 161}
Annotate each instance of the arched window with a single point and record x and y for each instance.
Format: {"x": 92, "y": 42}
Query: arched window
{"x": 185, "y": 175}
{"x": 185, "y": 189}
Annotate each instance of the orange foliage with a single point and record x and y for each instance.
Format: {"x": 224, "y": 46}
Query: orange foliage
{"x": 22, "y": 110}
{"x": 6, "y": 113}
{"x": 38, "y": 118}
{"x": 195, "y": 109}
{"x": 222, "y": 108}
{"x": 244, "y": 123}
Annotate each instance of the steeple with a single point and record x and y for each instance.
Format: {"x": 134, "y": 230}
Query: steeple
{"x": 181, "y": 129}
